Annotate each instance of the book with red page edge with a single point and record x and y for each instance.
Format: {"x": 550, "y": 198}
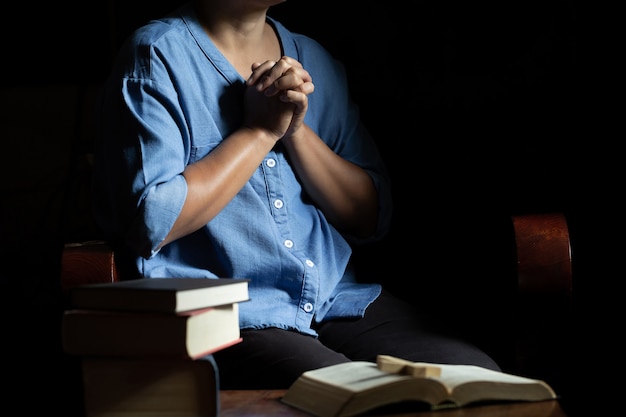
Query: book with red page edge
{"x": 190, "y": 334}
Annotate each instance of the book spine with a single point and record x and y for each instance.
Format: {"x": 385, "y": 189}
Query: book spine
{"x": 118, "y": 335}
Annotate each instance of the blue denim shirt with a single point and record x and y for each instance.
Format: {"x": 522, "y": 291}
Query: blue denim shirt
{"x": 171, "y": 99}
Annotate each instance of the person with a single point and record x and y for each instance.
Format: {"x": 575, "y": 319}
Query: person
{"x": 230, "y": 147}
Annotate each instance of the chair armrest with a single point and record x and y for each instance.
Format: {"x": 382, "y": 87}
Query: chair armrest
{"x": 543, "y": 321}
{"x": 543, "y": 254}
{"x": 87, "y": 263}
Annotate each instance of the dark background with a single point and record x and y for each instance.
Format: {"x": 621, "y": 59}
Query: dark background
{"x": 482, "y": 110}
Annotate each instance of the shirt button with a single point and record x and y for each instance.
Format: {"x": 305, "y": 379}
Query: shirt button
{"x": 309, "y": 263}
{"x": 270, "y": 162}
{"x": 288, "y": 243}
{"x": 278, "y": 204}
{"x": 308, "y": 307}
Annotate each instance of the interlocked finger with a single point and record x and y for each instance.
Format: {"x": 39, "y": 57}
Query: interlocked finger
{"x": 265, "y": 75}
{"x": 297, "y": 79}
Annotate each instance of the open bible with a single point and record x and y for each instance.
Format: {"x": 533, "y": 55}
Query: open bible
{"x": 352, "y": 388}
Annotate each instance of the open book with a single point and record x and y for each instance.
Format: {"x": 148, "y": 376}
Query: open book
{"x": 352, "y": 388}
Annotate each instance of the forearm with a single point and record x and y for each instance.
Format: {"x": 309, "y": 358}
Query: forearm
{"x": 213, "y": 181}
{"x": 343, "y": 191}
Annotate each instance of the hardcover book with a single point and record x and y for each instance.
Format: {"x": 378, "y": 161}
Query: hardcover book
{"x": 190, "y": 334}
{"x": 168, "y": 295}
{"x": 124, "y": 387}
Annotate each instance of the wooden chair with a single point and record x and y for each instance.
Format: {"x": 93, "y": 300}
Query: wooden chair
{"x": 544, "y": 261}
{"x": 536, "y": 337}
{"x": 543, "y": 290}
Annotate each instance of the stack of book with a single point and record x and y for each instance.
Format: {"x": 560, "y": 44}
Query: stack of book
{"x": 146, "y": 345}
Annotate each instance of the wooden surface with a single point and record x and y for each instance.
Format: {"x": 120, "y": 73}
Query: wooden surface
{"x": 266, "y": 403}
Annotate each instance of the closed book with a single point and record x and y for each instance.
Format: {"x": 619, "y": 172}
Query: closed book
{"x": 170, "y": 295}
{"x": 140, "y": 387}
{"x": 189, "y": 334}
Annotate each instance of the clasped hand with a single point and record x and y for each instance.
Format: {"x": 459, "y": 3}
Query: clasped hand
{"x": 276, "y": 99}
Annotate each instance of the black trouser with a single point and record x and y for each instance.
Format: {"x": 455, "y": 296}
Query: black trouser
{"x": 274, "y": 358}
